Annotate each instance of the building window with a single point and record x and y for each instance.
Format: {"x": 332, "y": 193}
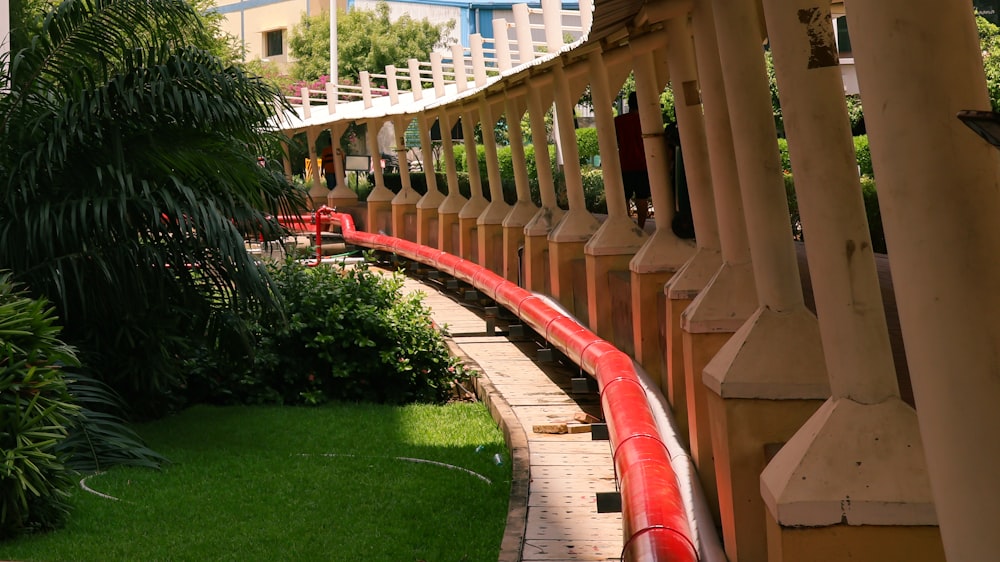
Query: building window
{"x": 843, "y": 38}
{"x": 274, "y": 43}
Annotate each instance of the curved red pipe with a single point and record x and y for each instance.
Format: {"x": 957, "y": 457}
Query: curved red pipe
{"x": 654, "y": 519}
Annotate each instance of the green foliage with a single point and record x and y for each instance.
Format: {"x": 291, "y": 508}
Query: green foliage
{"x": 366, "y": 40}
{"x": 129, "y": 180}
{"x": 587, "y": 145}
{"x": 989, "y": 40}
{"x": 100, "y": 438}
{"x": 35, "y": 410}
{"x": 786, "y": 161}
{"x": 351, "y": 335}
{"x": 864, "y": 156}
{"x": 772, "y": 82}
{"x": 873, "y": 213}
{"x": 593, "y": 191}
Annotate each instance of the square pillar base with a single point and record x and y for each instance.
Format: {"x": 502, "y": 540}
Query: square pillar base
{"x": 744, "y": 431}
{"x": 858, "y": 543}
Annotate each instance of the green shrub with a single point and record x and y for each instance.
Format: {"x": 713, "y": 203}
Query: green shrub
{"x": 874, "y": 214}
{"x": 586, "y": 144}
{"x": 35, "y": 412}
{"x": 593, "y": 191}
{"x": 864, "y": 155}
{"x": 786, "y": 161}
{"x": 351, "y": 335}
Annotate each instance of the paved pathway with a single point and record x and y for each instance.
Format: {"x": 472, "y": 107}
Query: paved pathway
{"x": 553, "y": 510}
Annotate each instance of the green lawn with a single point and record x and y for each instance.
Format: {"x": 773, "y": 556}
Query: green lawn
{"x": 293, "y": 483}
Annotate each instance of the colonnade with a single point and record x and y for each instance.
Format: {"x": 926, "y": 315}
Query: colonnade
{"x": 802, "y": 442}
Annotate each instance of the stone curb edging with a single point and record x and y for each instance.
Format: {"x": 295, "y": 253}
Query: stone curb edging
{"x": 517, "y": 443}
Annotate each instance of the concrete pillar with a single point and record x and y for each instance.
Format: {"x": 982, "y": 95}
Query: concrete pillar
{"x": 427, "y": 206}
{"x": 729, "y": 297}
{"x": 567, "y": 239}
{"x": 523, "y": 210}
{"x": 380, "y": 197}
{"x": 490, "y": 221}
{"x": 468, "y": 245}
{"x": 448, "y": 226}
{"x": 404, "y": 204}
{"x": 771, "y": 375}
{"x": 340, "y": 196}
{"x": 318, "y": 191}
{"x": 939, "y": 199}
{"x": 522, "y": 29}
{"x": 536, "y": 232}
{"x": 684, "y": 285}
{"x": 663, "y": 253}
{"x": 611, "y": 248}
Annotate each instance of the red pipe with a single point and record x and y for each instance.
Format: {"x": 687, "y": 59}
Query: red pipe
{"x": 654, "y": 519}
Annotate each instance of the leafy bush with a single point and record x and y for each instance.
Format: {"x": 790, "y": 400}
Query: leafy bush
{"x": 586, "y": 144}
{"x": 593, "y": 191}
{"x": 864, "y": 156}
{"x": 35, "y": 411}
{"x": 351, "y": 335}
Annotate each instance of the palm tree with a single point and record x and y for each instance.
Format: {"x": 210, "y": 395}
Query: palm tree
{"x": 128, "y": 181}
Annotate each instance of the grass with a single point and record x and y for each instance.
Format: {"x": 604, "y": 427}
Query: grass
{"x": 296, "y": 484}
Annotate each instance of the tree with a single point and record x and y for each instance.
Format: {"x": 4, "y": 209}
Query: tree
{"x": 367, "y": 40}
{"x": 128, "y": 180}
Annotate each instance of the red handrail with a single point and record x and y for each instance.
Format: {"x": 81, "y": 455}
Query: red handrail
{"x": 654, "y": 518}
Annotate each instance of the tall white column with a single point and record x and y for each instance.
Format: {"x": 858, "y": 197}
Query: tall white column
{"x": 918, "y": 64}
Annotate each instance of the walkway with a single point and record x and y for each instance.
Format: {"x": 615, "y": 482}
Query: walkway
{"x": 553, "y": 509}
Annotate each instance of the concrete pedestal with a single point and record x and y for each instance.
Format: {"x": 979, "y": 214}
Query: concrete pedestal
{"x": 562, "y": 256}
{"x": 744, "y": 434}
{"x": 673, "y": 384}
{"x": 536, "y": 249}
{"x": 448, "y": 232}
{"x": 648, "y": 323}
{"x": 468, "y": 239}
{"x": 404, "y": 220}
{"x": 513, "y": 238}
{"x": 599, "y": 302}
{"x": 427, "y": 226}
{"x": 380, "y": 216}
{"x": 852, "y": 484}
{"x": 699, "y": 349}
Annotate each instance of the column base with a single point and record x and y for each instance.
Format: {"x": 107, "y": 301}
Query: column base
{"x": 699, "y": 349}
{"x": 600, "y": 299}
{"x": 564, "y": 258}
{"x": 491, "y": 247}
{"x": 468, "y": 241}
{"x": 673, "y": 382}
{"x": 448, "y": 232}
{"x": 649, "y": 324}
{"x": 513, "y": 238}
{"x": 427, "y": 226}
{"x": 860, "y": 464}
{"x": 380, "y": 217}
{"x": 536, "y": 264}
{"x": 404, "y": 220}
{"x": 744, "y": 434}
{"x": 867, "y": 543}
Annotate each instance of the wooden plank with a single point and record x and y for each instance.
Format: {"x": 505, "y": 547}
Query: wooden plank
{"x": 562, "y": 485}
{"x": 567, "y": 550}
{"x": 561, "y": 459}
{"x": 573, "y": 472}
